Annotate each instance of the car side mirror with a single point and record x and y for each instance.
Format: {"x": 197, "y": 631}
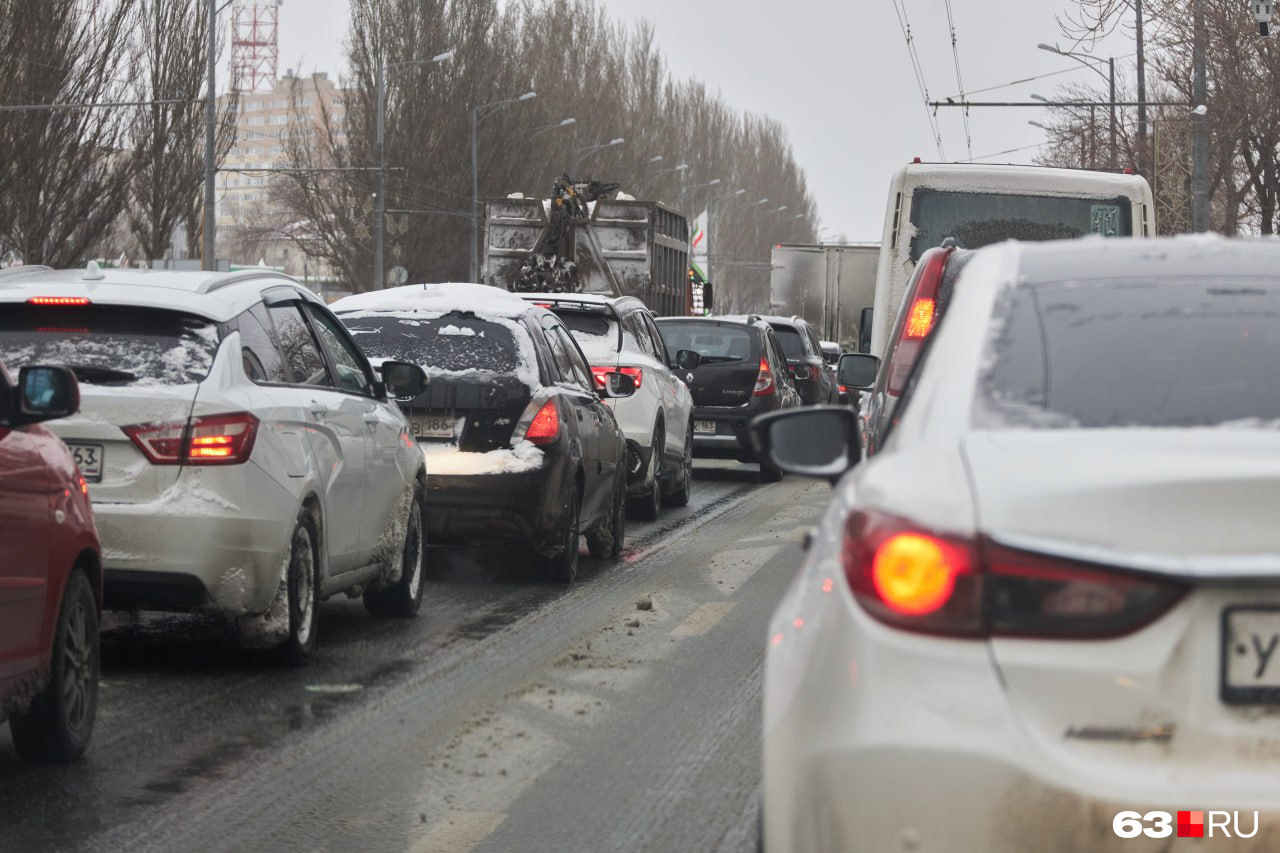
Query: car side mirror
{"x": 814, "y": 441}
{"x": 404, "y": 380}
{"x": 46, "y": 394}
{"x": 688, "y": 359}
{"x": 857, "y": 371}
{"x": 617, "y": 385}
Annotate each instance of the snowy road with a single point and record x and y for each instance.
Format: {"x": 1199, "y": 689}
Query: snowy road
{"x": 621, "y": 713}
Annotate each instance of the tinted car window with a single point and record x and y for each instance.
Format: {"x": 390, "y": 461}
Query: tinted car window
{"x": 791, "y": 341}
{"x": 1133, "y": 353}
{"x": 301, "y": 352}
{"x": 452, "y": 342}
{"x": 348, "y": 361}
{"x": 262, "y": 359}
{"x": 110, "y": 345}
{"x": 715, "y": 342}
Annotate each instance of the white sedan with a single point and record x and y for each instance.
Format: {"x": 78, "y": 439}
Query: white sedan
{"x": 1046, "y": 615}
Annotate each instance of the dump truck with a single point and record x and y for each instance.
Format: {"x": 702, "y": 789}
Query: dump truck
{"x": 587, "y": 239}
{"x": 831, "y": 286}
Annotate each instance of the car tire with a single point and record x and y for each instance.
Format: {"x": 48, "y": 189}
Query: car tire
{"x": 404, "y": 597}
{"x": 647, "y": 506}
{"x": 563, "y": 567}
{"x": 304, "y": 593}
{"x": 606, "y": 541}
{"x": 769, "y": 474}
{"x": 680, "y": 495}
{"x": 57, "y": 725}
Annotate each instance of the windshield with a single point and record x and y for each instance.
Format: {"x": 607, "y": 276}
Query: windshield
{"x": 596, "y": 333}
{"x": 452, "y": 342}
{"x": 979, "y": 219}
{"x": 1134, "y": 353}
{"x": 110, "y": 345}
{"x": 713, "y": 341}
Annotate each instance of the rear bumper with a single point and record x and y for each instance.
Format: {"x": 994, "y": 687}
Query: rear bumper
{"x": 732, "y": 437}
{"x": 488, "y": 509}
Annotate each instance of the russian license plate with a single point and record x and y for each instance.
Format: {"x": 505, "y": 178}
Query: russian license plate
{"x": 433, "y": 426}
{"x": 88, "y": 459}
{"x": 1251, "y": 656}
{"x": 704, "y": 427}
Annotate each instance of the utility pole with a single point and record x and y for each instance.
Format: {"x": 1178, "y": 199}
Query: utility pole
{"x": 380, "y": 197}
{"x": 209, "y": 254}
{"x": 1142, "y": 92}
{"x": 1200, "y": 128}
{"x": 1112, "y": 74}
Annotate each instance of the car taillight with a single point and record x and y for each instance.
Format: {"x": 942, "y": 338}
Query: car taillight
{"x": 211, "y": 440}
{"x": 919, "y": 320}
{"x": 600, "y": 374}
{"x": 764, "y": 379}
{"x": 59, "y": 301}
{"x": 800, "y": 371}
{"x": 921, "y": 580}
{"x": 545, "y": 427}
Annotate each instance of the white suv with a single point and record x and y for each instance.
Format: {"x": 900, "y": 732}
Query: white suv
{"x": 618, "y": 334}
{"x": 241, "y": 455}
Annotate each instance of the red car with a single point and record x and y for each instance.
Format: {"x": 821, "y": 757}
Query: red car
{"x": 50, "y": 572}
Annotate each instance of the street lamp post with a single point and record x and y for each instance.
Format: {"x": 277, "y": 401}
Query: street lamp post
{"x": 547, "y": 128}
{"x": 477, "y": 114}
{"x": 1110, "y": 77}
{"x": 580, "y": 153}
{"x": 714, "y": 182}
{"x": 380, "y": 197}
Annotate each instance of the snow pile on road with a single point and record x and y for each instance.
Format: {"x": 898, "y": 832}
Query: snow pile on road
{"x": 448, "y": 460}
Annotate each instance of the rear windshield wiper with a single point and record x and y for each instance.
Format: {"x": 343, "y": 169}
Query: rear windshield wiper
{"x": 709, "y": 359}
{"x": 96, "y": 374}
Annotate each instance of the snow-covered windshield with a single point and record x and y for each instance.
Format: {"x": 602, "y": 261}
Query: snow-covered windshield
{"x": 453, "y": 343}
{"x": 596, "y": 333}
{"x": 980, "y": 219}
{"x": 110, "y": 345}
{"x": 1168, "y": 353}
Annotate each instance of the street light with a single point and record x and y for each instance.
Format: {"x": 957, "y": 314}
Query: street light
{"x": 538, "y": 131}
{"x": 657, "y": 158}
{"x": 477, "y": 115}
{"x": 685, "y": 190}
{"x": 683, "y": 167}
{"x": 1110, "y": 77}
{"x": 1036, "y": 97}
{"x": 380, "y": 198}
{"x": 586, "y": 151}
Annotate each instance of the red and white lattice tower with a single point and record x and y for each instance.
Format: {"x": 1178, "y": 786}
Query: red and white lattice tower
{"x": 255, "y": 44}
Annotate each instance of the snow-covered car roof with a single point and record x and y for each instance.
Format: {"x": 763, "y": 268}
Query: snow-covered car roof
{"x": 215, "y": 296}
{"x": 437, "y": 299}
{"x": 984, "y": 177}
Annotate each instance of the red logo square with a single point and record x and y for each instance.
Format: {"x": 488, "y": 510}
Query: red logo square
{"x": 1191, "y": 824}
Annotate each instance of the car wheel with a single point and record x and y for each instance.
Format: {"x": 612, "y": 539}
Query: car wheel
{"x": 605, "y": 542}
{"x": 57, "y": 725}
{"x": 684, "y": 479}
{"x": 304, "y": 594}
{"x": 647, "y": 506}
{"x": 769, "y": 474}
{"x": 404, "y": 597}
{"x": 563, "y": 567}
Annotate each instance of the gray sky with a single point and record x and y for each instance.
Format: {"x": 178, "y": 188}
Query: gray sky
{"x": 835, "y": 72}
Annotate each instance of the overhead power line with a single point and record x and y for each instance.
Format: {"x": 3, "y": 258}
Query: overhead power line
{"x": 955, "y": 55}
{"x": 899, "y": 8}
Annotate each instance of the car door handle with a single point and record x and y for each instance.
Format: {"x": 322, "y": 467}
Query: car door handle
{"x": 318, "y": 411}
{"x": 371, "y": 420}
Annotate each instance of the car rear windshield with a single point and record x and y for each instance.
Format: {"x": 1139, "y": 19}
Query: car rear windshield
{"x": 979, "y": 219}
{"x": 593, "y": 331}
{"x": 715, "y": 342}
{"x": 453, "y": 342}
{"x": 792, "y": 346}
{"x": 1169, "y": 353}
{"x": 110, "y": 345}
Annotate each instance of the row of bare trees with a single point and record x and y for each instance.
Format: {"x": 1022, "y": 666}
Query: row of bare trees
{"x": 611, "y": 79}
{"x": 101, "y": 135}
{"x": 1243, "y": 118}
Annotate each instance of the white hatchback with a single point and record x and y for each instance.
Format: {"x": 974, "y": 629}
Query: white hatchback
{"x": 1046, "y": 615}
{"x": 242, "y": 457}
{"x": 618, "y": 334}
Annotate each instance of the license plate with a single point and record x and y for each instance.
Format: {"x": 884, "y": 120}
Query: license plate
{"x": 1251, "y": 656}
{"x": 88, "y": 459}
{"x": 704, "y": 427}
{"x": 433, "y": 426}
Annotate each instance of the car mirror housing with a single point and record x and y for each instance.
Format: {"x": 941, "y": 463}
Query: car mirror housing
{"x": 45, "y": 394}
{"x": 403, "y": 379}
{"x": 814, "y": 441}
{"x": 857, "y": 371}
{"x": 617, "y": 385}
{"x": 688, "y": 359}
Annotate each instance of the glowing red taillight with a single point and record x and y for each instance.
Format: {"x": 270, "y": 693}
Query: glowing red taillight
{"x": 210, "y": 440}
{"x": 59, "y": 301}
{"x": 601, "y": 374}
{"x": 545, "y": 426}
{"x": 919, "y": 318}
{"x": 764, "y": 380}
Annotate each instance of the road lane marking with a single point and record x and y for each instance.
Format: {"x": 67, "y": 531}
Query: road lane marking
{"x": 703, "y": 619}
{"x": 729, "y": 570}
{"x": 458, "y": 832}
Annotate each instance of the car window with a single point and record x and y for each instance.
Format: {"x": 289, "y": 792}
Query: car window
{"x": 715, "y": 342}
{"x": 635, "y": 337}
{"x": 659, "y": 346}
{"x": 352, "y": 375}
{"x": 110, "y": 345}
{"x": 779, "y": 359}
{"x": 791, "y": 341}
{"x": 560, "y": 353}
{"x": 263, "y": 361}
{"x": 578, "y": 367}
{"x": 301, "y": 353}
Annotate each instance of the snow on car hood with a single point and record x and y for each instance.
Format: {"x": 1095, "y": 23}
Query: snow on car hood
{"x": 1199, "y": 502}
{"x": 448, "y": 460}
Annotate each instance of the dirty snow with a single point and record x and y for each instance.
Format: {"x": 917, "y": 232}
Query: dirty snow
{"x": 449, "y": 460}
{"x": 457, "y": 330}
{"x": 436, "y": 299}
